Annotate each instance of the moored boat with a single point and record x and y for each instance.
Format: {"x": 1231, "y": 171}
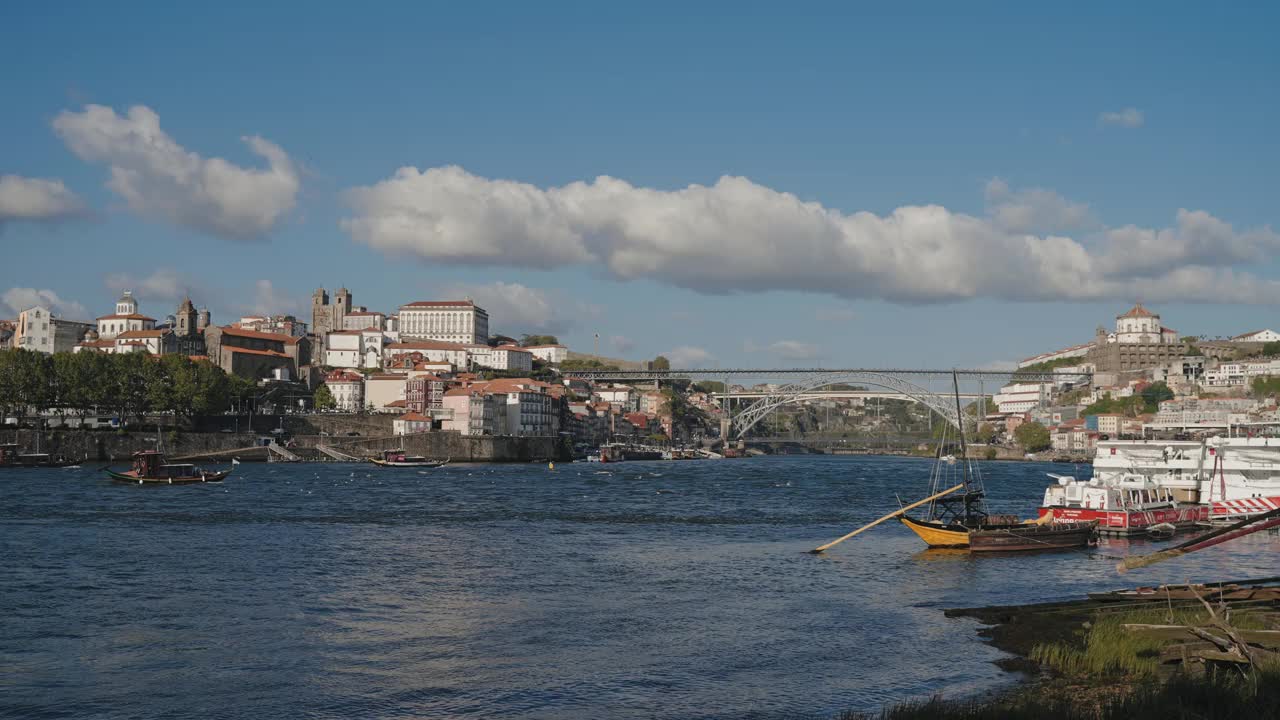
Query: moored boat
{"x": 398, "y": 459}
{"x": 149, "y": 467}
{"x": 961, "y": 520}
{"x": 1122, "y": 504}
{"x": 10, "y": 457}
{"x": 1233, "y": 477}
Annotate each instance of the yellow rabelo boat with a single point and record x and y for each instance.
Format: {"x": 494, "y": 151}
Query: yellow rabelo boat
{"x": 960, "y": 519}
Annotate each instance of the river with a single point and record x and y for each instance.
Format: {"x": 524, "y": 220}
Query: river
{"x": 638, "y": 590}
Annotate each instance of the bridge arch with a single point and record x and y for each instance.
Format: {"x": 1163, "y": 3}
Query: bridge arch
{"x": 943, "y": 405}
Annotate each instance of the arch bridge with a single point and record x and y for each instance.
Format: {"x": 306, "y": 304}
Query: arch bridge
{"x": 802, "y": 383}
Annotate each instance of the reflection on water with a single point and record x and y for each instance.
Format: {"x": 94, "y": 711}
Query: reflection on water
{"x": 647, "y": 590}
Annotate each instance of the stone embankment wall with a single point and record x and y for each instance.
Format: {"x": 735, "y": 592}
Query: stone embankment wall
{"x": 105, "y": 445}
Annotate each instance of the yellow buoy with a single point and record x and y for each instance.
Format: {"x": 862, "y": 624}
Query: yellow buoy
{"x": 551, "y": 466}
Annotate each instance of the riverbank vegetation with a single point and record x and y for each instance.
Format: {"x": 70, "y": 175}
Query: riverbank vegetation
{"x": 125, "y": 385}
{"x": 1105, "y": 663}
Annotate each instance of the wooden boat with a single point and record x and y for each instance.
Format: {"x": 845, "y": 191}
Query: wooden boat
{"x": 397, "y": 458}
{"x": 1016, "y": 537}
{"x": 10, "y": 457}
{"x": 1029, "y": 536}
{"x": 149, "y": 467}
{"x": 961, "y": 520}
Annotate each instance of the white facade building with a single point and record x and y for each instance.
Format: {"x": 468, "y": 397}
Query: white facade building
{"x": 1262, "y": 336}
{"x": 505, "y": 357}
{"x": 125, "y": 318}
{"x": 552, "y": 354}
{"x": 1021, "y": 397}
{"x": 347, "y": 389}
{"x": 381, "y": 391}
{"x": 1140, "y": 325}
{"x": 456, "y": 321}
{"x": 40, "y": 330}
{"x": 364, "y": 319}
{"x": 354, "y": 349}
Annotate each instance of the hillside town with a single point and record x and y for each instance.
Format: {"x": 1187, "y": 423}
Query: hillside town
{"x": 432, "y": 365}
{"x": 1144, "y": 380}
{"x": 435, "y": 365}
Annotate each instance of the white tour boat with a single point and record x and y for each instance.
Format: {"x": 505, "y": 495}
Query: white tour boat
{"x": 1231, "y": 477}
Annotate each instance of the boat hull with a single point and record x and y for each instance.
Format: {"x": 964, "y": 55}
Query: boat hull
{"x": 1024, "y": 538}
{"x": 937, "y": 535}
{"x": 134, "y": 479}
{"x": 1003, "y": 538}
{"x": 394, "y": 464}
{"x": 1131, "y": 522}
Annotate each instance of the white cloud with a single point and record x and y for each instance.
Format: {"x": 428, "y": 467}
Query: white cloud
{"x": 793, "y": 350}
{"x": 1198, "y": 239}
{"x": 737, "y": 236}
{"x": 688, "y": 357}
{"x": 1126, "y": 118}
{"x": 1035, "y": 210}
{"x": 267, "y": 300}
{"x": 163, "y": 284}
{"x": 161, "y": 179}
{"x": 622, "y": 343}
{"x": 18, "y": 299}
{"x": 23, "y": 198}
{"x": 518, "y": 309}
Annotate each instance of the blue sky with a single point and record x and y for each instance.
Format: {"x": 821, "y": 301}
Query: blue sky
{"x": 1090, "y": 123}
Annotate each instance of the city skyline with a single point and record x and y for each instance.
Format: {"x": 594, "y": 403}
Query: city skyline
{"x": 759, "y": 188}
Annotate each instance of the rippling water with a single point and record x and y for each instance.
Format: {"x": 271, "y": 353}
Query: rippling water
{"x": 668, "y": 590}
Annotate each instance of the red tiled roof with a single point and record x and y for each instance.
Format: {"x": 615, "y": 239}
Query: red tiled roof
{"x": 133, "y": 316}
{"x": 99, "y": 344}
{"x": 414, "y": 417}
{"x": 343, "y": 376}
{"x": 248, "y": 351}
{"x": 395, "y": 404}
{"x": 438, "y": 303}
{"x": 1137, "y": 311}
{"x": 278, "y": 337}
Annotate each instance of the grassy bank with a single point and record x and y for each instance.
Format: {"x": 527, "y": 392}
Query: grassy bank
{"x": 1095, "y": 661}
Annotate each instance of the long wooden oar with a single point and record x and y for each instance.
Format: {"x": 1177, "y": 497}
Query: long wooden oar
{"x": 1247, "y": 526}
{"x": 887, "y": 517}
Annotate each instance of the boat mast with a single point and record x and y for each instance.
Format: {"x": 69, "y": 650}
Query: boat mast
{"x": 964, "y": 450}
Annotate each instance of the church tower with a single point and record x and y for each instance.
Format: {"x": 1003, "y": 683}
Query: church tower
{"x": 320, "y": 315}
{"x": 186, "y": 319}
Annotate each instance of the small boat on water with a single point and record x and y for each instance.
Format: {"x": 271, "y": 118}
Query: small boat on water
{"x": 149, "y": 467}
{"x": 956, "y": 517}
{"x": 960, "y": 519}
{"x": 398, "y": 458}
{"x": 11, "y": 457}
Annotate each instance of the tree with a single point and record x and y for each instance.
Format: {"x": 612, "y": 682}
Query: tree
{"x": 323, "y": 399}
{"x": 709, "y": 386}
{"x": 586, "y": 364}
{"x": 1193, "y": 351}
{"x": 1271, "y": 349}
{"x": 1264, "y": 387}
{"x": 660, "y": 363}
{"x": 1032, "y": 436}
{"x": 985, "y": 434}
{"x": 1154, "y": 394}
{"x": 531, "y": 340}
{"x": 1189, "y": 338}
